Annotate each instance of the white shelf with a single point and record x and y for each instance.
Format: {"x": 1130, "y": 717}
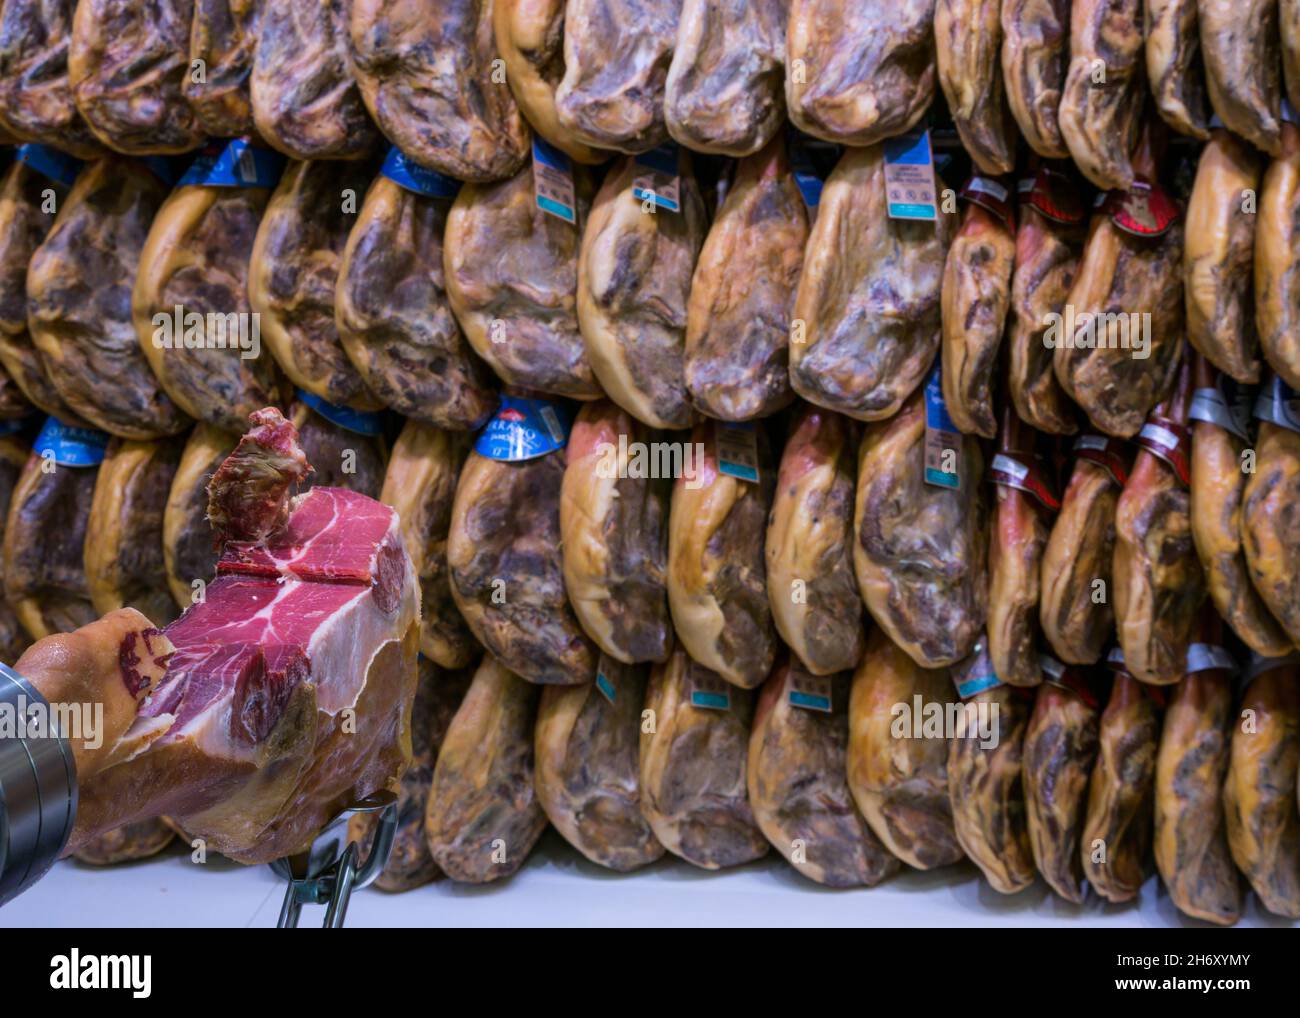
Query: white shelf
{"x": 556, "y": 887}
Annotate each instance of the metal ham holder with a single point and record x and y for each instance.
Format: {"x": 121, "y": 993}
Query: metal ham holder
{"x": 327, "y": 873}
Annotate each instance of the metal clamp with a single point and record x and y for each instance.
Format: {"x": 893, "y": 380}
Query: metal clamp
{"x": 327, "y": 872}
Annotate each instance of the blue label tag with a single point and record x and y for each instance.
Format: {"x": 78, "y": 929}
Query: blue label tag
{"x": 810, "y": 701}
{"x": 69, "y": 446}
{"x": 1278, "y": 404}
{"x": 1288, "y": 113}
{"x": 363, "y": 422}
{"x": 524, "y": 429}
{"x": 736, "y": 446}
{"x": 553, "y": 186}
{"x": 943, "y": 442}
{"x": 414, "y": 177}
{"x": 656, "y": 177}
{"x": 909, "y": 177}
{"x": 50, "y": 162}
{"x": 234, "y": 163}
{"x": 709, "y": 700}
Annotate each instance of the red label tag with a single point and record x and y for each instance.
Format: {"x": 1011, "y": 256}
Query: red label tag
{"x": 1024, "y": 472}
{"x": 994, "y": 196}
{"x": 1111, "y": 454}
{"x": 1144, "y": 210}
{"x": 1054, "y": 194}
{"x": 1171, "y": 441}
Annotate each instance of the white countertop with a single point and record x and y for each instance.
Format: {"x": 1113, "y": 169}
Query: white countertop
{"x": 556, "y": 887}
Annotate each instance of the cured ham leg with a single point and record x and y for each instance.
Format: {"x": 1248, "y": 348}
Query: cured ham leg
{"x": 901, "y": 783}
{"x": 1269, "y": 524}
{"x": 1060, "y": 747}
{"x": 921, "y": 550}
{"x": 968, "y": 48}
{"x": 810, "y": 581}
{"x": 1127, "y": 304}
{"x": 1191, "y": 843}
{"x": 797, "y": 785}
{"x": 1174, "y": 68}
{"x": 1219, "y": 257}
{"x": 1117, "y": 831}
{"x": 1242, "y": 64}
{"x": 725, "y": 84}
{"x": 1277, "y": 261}
{"x": 1017, "y": 538}
{"x": 1101, "y": 104}
{"x": 1047, "y": 260}
{"x": 738, "y": 317}
{"x": 1035, "y": 54}
{"x": 986, "y": 790}
{"x": 976, "y": 296}
{"x": 282, "y": 697}
{"x": 1218, "y": 488}
{"x": 1075, "y": 607}
{"x": 1159, "y": 585}
{"x": 869, "y": 296}
{"x": 1259, "y": 796}
{"x": 860, "y": 72}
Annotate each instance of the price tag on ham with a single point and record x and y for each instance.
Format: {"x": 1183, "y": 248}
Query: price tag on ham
{"x": 524, "y": 429}
{"x": 1054, "y": 195}
{"x": 50, "y": 162}
{"x": 234, "y": 163}
{"x": 943, "y": 441}
{"x": 810, "y": 692}
{"x": 708, "y": 690}
{"x": 415, "y": 178}
{"x": 656, "y": 179}
{"x": 736, "y": 447}
{"x": 909, "y": 177}
{"x": 975, "y": 673}
{"x": 70, "y": 447}
{"x": 993, "y": 196}
{"x": 553, "y": 181}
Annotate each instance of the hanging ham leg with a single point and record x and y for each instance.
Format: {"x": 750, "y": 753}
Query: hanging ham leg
{"x": 798, "y": 789}
{"x": 921, "y": 550}
{"x": 1270, "y": 526}
{"x": 968, "y": 45}
{"x": 861, "y": 71}
{"x": 986, "y": 790}
{"x": 1047, "y": 259}
{"x": 1060, "y": 747}
{"x": 1191, "y": 843}
{"x": 1075, "y": 608}
{"x": 1259, "y": 796}
{"x": 901, "y": 783}
{"x": 869, "y": 296}
{"x": 1127, "y": 302}
{"x": 810, "y": 582}
{"x": 742, "y": 295}
{"x": 1277, "y": 261}
{"x": 1240, "y": 41}
{"x": 1117, "y": 833}
{"x": 1035, "y": 52}
{"x": 1101, "y": 104}
{"x": 1159, "y": 585}
{"x": 1017, "y": 537}
{"x": 1219, "y": 256}
{"x": 724, "y": 90}
{"x": 1174, "y": 66}
{"x": 976, "y": 295}
{"x": 1218, "y": 485}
